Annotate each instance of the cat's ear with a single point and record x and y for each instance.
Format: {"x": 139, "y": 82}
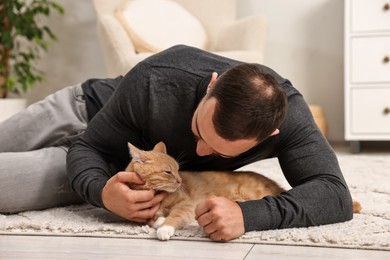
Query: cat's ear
{"x": 160, "y": 147}
{"x": 135, "y": 153}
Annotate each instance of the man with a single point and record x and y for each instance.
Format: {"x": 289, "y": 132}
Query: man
{"x": 164, "y": 98}
{"x": 212, "y": 113}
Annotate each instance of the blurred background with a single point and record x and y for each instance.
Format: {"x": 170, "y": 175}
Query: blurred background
{"x": 304, "y": 44}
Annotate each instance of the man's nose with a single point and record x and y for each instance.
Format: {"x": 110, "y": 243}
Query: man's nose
{"x": 202, "y": 149}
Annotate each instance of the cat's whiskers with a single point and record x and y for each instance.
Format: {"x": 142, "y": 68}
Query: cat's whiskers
{"x": 182, "y": 188}
{"x": 180, "y": 157}
{"x": 160, "y": 187}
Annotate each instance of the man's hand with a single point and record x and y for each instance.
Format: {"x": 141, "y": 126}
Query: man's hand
{"x": 220, "y": 218}
{"x": 134, "y": 205}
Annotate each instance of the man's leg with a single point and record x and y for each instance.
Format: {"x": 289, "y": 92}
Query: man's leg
{"x": 33, "y": 153}
{"x": 34, "y": 180}
{"x": 56, "y": 120}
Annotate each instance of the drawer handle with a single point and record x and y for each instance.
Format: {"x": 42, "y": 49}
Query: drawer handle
{"x": 386, "y": 59}
{"x": 386, "y": 111}
{"x": 386, "y": 7}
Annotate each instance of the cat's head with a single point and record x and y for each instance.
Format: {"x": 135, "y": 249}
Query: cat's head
{"x": 156, "y": 168}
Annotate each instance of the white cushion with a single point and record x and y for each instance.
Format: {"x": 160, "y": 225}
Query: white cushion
{"x": 155, "y": 25}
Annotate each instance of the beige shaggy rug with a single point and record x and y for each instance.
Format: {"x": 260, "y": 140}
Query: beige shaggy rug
{"x": 368, "y": 177}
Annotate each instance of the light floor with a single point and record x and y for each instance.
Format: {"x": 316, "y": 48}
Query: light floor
{"x": 41, "y": 247}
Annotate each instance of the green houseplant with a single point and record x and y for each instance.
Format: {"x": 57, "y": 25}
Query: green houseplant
{"x": 22, "y": 40}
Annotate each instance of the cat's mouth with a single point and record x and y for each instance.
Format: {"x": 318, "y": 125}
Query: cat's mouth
{"x": 169, "y": 189}
{"x": 158, "y": 188}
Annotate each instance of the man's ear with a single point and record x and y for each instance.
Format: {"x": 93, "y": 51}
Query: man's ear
{"x": 213, "y": 79}
{"x": 275, "y": 132}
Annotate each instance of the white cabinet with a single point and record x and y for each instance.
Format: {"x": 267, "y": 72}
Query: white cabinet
{"x": 367, "y": 71}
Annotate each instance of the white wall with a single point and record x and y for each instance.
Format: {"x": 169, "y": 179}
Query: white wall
{"x": 305, "y": 45}
{"x": 76, "y": 56}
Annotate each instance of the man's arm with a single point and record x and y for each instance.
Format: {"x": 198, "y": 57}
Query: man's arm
{"x": 101, "y": 151}
{"x": 319, "y": 195}
{"x": 95, "y": 161}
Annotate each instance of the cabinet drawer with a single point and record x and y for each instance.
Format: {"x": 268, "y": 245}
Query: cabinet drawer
{"x": 370, "y": 59}
{"x": 370, "y": 15}
{"x": 370, "y": 110}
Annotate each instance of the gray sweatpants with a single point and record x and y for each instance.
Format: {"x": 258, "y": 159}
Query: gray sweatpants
{"x": 33, "y": 147}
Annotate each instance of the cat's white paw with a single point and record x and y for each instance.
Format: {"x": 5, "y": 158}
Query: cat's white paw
{"x": 165, "y": 232}
{"x": 158, "y": 222}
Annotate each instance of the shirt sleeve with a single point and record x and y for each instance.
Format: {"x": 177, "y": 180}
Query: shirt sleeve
{"x": 102, "y": 150}
{"x": 319, "y": 195}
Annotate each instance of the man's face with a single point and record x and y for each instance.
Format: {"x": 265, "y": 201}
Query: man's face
{"x": 208, "y": 141}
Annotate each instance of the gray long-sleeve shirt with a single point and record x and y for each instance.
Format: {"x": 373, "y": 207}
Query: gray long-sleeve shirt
{"x": 155, "y": 101}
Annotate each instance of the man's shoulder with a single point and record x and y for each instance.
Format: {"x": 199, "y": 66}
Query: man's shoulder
{"x": 290, "y": 89}
{"x": 190, "y": 59}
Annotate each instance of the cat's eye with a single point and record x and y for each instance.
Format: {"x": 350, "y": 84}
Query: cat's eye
{"x": 169, "y": 172}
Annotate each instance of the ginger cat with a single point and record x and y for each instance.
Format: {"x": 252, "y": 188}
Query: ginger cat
{"x": 187, "y": 189}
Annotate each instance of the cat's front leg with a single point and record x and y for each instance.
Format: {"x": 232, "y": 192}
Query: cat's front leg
{"x": 157, "y": 220}
{"x": 165, "y": 232}
{"x": 180, "y": 216}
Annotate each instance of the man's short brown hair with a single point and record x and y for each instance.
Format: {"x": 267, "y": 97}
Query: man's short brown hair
{"x": 250, "y": 103}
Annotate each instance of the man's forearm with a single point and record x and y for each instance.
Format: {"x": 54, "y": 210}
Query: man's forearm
{"x": 321, "y": 201}
{"x": 88, "y": 178}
